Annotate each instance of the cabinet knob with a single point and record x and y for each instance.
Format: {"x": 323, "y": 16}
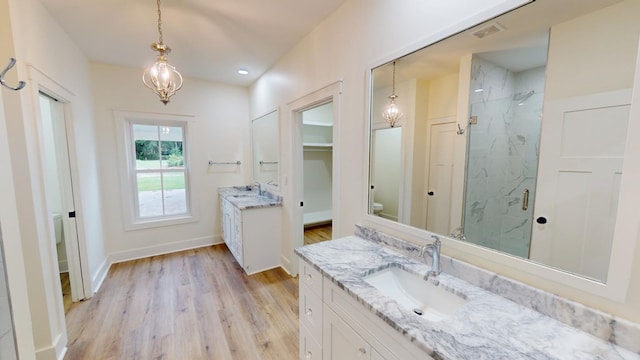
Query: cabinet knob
{"x": 308, "y": 355}
{"x": 308, "y": 277}
{"x": 309, "y": 312}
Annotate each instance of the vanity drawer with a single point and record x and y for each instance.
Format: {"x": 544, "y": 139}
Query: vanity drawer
{"x": 387, "y": 342}
{"x": 310, "y": 349}
{"x": 310, "y": 306}
{"x": 310, "y": 278}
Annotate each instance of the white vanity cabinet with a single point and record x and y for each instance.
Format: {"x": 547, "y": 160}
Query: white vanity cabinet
{"x": 310, "y": 312}
{"x": 252, "y": 235}
{"x": 227, "y": 221}
{"x": 334, "y": 326}
{"x": 343, "y": 342}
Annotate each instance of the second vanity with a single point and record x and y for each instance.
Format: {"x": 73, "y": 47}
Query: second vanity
{"x": 246, "y": 213}
{"x": 344, "y": 315}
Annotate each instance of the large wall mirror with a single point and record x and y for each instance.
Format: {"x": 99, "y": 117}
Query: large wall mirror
{"x": 512, "y": 133}
{"x": 265, "y": 148}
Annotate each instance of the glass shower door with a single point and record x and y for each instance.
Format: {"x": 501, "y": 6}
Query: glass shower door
{"x": 501, "y": 173}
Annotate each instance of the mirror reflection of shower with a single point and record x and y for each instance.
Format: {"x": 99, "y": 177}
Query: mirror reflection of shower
{"x": 503, "y": 143}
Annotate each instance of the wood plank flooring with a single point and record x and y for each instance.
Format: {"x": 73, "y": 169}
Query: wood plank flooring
{"x": 66, "y": 291}
{"x": 317, "y": 234}
{"x": 195, "y": 304}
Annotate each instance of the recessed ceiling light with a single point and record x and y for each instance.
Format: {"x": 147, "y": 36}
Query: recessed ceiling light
{"x": 243, "y": 71}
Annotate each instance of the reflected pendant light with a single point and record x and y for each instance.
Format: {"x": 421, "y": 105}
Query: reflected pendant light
{"x": 391, "y": 113}
{"x": 162, "y": 78}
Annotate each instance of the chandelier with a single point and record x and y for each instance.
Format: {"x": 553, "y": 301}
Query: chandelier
{"x": 391, "y": 113}
{"x": 162, "y": 78}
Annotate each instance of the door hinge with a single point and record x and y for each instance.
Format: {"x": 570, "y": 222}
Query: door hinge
{"x": 72, "y": 214}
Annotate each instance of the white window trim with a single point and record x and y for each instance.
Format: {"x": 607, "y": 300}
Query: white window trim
{"x": 123, "y": 120}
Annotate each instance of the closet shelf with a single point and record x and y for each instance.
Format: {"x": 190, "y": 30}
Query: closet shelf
{"x": 314, "y": 123}
{"x": 315, "y": 144}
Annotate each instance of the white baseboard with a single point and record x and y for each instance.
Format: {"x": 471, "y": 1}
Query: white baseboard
{"x": 285, "y": 263}
{"x": 162, "y": 249}
{"x": 56, "y": 351}
{"x": 100, "y": 275}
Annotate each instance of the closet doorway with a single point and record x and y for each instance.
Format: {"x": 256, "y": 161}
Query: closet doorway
{"x": 317, "y": 174}
{"x": 59, "y": 194}
{"x": 315, "y": 168}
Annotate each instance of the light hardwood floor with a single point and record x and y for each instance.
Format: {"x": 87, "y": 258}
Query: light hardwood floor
{"x": 196, "y": 304}
{"x": 316, "y": 234}
{"x": 66, "y": 291}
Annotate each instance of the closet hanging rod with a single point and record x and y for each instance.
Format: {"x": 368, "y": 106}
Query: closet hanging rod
{"x": 21, "y": 84}
{"x": 262, "y": 162}
{"x": 224, "y": 162}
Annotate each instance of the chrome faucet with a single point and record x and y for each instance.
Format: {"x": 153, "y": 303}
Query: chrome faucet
{"x": 433, "y": 250}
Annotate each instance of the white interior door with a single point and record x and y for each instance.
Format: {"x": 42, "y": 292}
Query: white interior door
{"x": 386, "y": 171}
{"x": 439, "y": 187}
{"x": 52, "y": 111}
{"x": 579, "y": 172}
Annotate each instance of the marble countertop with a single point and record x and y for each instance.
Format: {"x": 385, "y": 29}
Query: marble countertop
{"x": 488, "y": 326}
{"x": 249, "y": 197}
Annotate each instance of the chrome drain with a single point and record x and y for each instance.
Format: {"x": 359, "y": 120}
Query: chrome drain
{"x": 418, "y": 311}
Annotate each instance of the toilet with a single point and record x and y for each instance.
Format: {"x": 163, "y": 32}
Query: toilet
{"x": 57, "y": 227}
{"x": 377, "y": 208}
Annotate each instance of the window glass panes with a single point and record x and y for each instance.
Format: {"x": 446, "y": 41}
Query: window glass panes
{"x": 175, "y": 197}
{"x": 171, "y": 147}
{"x": 147, "y": 148}
{"x": 150, "y": 194}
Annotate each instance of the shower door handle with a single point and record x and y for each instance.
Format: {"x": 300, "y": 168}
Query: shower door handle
{"x": 525, "y": 200}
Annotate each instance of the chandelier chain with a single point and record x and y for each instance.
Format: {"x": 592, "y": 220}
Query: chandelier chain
{"x": 159, "y": 23}
{"x": 393, "y": 90}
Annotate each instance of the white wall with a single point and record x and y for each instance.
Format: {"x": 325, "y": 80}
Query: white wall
{"x": 360, "y": 34}
{"x": 318, "y": 165}
{"x": 221, "y": 133}
{"x": 40, "y": 42}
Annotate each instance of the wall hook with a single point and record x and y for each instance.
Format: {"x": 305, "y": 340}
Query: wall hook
{"x": 21, "y": 84}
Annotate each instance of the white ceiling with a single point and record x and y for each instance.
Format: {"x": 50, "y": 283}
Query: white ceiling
{"x": 210, "y": 39}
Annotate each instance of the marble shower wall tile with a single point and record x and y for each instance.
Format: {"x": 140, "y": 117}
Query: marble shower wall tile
{"x": 503, "y": 153}
{"x": 602, "y": 325}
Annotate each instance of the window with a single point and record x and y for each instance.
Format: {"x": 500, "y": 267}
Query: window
{"x": 156, "y": 179}
{"x": 159, "y": 170}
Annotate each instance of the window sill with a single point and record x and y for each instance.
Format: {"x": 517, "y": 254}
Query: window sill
{"x": 160, "y": 222}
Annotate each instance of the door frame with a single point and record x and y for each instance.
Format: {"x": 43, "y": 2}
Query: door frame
{"x": 40, "y": 82}
{"x": 330, "y": 93}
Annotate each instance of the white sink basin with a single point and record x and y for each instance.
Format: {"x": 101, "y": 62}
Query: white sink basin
{"x": 410, "y": 290}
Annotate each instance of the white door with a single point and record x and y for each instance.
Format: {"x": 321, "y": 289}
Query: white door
{"x": 439, "y": 187}
{"x": 59, "y": 187}
{"x": 579, "y": 171}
